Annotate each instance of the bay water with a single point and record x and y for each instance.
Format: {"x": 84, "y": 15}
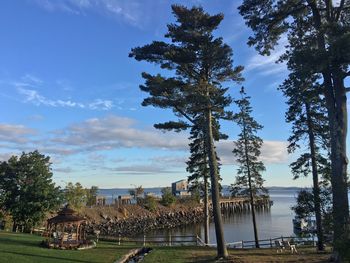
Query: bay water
{"x": 272, "y": 223}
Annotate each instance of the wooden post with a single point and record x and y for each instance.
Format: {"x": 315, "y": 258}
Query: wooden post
{"x": 170, "y": 239}
{"x": 270, "y": 242}
{"x": 242, "y": 244}
{"x": 282, "y": 238}
{"x": 144, "y": 240}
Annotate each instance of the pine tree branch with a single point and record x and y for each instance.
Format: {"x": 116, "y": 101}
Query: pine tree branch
{"x": 184, "y": 114}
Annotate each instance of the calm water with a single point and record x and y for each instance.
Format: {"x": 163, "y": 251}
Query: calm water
{"x": 273, "y": 223}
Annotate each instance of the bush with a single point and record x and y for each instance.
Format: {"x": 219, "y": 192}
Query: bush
{"x": 150, "y": 203}
{"x": 167, "y": 197}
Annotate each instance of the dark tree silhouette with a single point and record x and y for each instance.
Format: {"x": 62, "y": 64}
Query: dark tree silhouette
{"x": 249, "y": 181}
{"x": 325, "y": 51}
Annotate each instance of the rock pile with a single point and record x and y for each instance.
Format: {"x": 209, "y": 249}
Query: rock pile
{"x": 134, "y": 225}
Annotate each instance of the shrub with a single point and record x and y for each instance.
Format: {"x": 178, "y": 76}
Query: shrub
{"x": 167, "y": 197}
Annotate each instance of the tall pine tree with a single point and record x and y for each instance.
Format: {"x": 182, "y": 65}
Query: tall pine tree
{"x": 249, "y": 181}
{"x": 325, "y": 51}
{"x": 198, "y": 167}
{"x": 307, "y": 114}
{"x": 200, "y": 62}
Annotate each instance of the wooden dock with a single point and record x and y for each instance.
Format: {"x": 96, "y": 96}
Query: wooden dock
{"x": 242, "y": 204}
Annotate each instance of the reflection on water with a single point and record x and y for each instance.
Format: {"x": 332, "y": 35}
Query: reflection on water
{"x": 273, "y": 223}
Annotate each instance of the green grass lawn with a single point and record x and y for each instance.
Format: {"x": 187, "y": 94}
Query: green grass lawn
{"x": 206, "y": 255}
{"x": 25, "y": 248}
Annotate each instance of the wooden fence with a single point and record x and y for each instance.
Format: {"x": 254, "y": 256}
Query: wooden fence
{"x": 169, "y": 240}
{"x": 172, "y": 240}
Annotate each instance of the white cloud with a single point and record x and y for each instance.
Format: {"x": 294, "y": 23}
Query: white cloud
{"x": 113, "y": 132}
{"x": 101, "y": 104}
{"x": 272, "y": 152}
{"x": 129, "y": 11}
{"x": 5, "y": 156}
{"x": 10, "y": 133}
{"x": 63, "y": 170}
{"x": 266, "y": 65}
{"x": 33, "y": 96}
{"x": 143, "y": 169}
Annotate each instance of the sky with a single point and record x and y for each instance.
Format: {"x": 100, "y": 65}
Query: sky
{"x": 69, "y": 90}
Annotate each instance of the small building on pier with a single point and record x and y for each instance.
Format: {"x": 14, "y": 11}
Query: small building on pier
{"x": 180, "y": 188}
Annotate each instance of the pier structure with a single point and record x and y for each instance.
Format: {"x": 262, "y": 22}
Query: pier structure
{"x": 242, "y": 204}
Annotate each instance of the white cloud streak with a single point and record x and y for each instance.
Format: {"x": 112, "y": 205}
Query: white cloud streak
{"x": 33, "y": 96}
{"x": 266, "y": 65}
{"x": 129, "y": 11}
{"x": 10, "y": 133}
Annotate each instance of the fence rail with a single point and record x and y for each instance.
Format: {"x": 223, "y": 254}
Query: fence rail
{"x": 171, "y": 240}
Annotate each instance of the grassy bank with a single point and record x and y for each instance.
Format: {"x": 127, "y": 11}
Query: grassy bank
{"x": 25, "y": 249}
{"x": 204, "y": 255}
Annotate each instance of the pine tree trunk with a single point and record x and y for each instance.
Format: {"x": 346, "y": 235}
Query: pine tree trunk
{"x": 14, "y": 227}
{"x": 251, "y": 196}
{"x": 206, "y": 211}
{"x": 339, "y": 160}
{"x": 335, "y": 94}
{"x": 215, "y": 196}
{"x": 316, "y": 187}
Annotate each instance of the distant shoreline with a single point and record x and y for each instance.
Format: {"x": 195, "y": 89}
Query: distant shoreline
{"x": 224, "y": 187}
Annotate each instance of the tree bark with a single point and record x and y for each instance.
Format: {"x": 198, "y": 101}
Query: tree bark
{"x": 206, "y": 211}
{"x": 335, "y": 94}
{"x": 339, "y": 166}
{"x": 256, "y": 238}
{"x": 215, "y": 196}
{"x": 14, "y": 227}
{"x": 316, "y": 187}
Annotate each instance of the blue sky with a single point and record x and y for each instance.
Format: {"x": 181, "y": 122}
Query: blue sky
{"x": 69, "y": 89}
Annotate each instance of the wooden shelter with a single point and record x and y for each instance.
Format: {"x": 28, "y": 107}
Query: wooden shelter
{"x": 66, "y": 230}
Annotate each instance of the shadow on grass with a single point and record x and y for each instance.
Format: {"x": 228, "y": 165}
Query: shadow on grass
{"x": 22, "y": 242}
{"x": 45, "y": 257}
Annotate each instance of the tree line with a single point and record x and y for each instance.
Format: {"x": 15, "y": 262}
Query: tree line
{"x": 28, "y": 192}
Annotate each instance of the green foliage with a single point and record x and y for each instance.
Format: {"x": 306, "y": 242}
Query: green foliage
{"x": 198, "y": 63}
{"x": 305, "y": 204}
{"x": 167, "y": 197}
{"x": 27, "y": 190}
{"x": 75, "y": 195}
{"x": 150, "y": 203}
{"x": 247, "y": 151}
{"x": 91, "y": 195}
{"x": 318, "y": 47}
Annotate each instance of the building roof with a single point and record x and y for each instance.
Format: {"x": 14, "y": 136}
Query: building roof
{"x": 180, "y": 181}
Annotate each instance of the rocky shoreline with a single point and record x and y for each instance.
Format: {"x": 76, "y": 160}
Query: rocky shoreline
{"x": 142, "y": 223}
